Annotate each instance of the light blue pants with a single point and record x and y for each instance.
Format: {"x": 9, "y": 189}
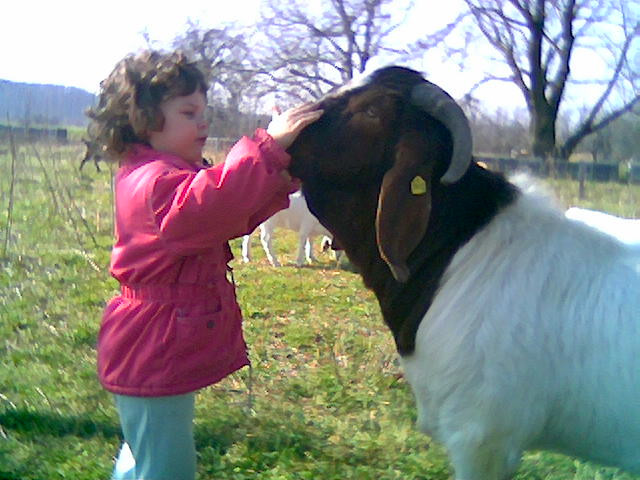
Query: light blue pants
{"x": 158, "y": 434}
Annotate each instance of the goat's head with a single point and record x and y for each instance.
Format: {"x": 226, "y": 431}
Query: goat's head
{"x": 396, "y": 130}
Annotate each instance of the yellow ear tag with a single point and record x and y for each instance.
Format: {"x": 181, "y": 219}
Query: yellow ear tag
{"x": 418, "y": 186}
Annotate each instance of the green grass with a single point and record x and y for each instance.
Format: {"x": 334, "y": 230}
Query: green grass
{"x": 324, "y": 400}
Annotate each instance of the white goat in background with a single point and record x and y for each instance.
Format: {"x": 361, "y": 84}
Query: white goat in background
{"x": 626, "y": 230}
{"x": 297, "y": 218}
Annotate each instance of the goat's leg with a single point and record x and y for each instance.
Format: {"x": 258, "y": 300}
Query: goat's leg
{"x": 265, "y": 239}
{"x": 246, "y": 248}
{"x": 308, "y": 250}
{"x": 483, "y": 459}
{"x": 302, "y": 241}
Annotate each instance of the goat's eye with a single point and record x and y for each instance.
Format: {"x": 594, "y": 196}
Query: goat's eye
{"x": 371, "y": 111}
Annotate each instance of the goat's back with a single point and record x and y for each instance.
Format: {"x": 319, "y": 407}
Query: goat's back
{"x": 297, "y": 217}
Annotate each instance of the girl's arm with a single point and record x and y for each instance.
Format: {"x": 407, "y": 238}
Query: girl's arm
{"x": 194, "y": 209}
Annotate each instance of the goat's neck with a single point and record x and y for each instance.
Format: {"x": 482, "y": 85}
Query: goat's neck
{"x": 349, "y": 214}
{"x": 458, "y": 212}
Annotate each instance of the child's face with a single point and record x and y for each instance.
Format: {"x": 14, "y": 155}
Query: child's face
{"x": 184, "y": 132}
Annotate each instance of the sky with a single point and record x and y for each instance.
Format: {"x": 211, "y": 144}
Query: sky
{"x": 77, "y": 43}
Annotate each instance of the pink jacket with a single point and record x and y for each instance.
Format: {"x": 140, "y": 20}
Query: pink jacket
{"x": 176, "y": 325}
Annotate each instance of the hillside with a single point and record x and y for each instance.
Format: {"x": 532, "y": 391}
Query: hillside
{"x": 43, "y": 104}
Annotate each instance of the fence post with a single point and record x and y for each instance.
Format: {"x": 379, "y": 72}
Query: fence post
{"x": 581, "y": 182}
{"x": 7, "y": 231}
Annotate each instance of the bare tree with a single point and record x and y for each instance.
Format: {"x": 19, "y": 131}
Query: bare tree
{"x": 618, "y": 142}
{"x": 313, "y": 47}
{"x": 222, "y": 53}
{"x": 226, "y": 58}
{"x": 502, "y": 132}
{"x": 540, "y": 42}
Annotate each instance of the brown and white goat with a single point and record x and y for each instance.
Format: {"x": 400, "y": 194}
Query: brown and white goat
{"x": 517, "y": 328}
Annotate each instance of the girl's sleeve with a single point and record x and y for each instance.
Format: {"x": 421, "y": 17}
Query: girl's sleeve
{"x": 195, "y": 209}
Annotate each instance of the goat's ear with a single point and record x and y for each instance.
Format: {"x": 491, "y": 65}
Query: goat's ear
{"x": 404, "y": 205}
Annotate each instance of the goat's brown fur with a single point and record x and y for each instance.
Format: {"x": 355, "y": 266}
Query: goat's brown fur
{"x": 356, "y": 164}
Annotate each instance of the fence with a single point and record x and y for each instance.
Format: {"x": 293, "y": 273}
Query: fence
{"x": 598, "y": 172}
{"x": 32, "y": 133}
{"x": 221, "y": 144}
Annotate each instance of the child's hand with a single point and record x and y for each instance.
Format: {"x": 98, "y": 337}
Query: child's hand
{"x": 285, "y": 127}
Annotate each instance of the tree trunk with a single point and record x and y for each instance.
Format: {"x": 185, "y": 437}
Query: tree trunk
{"x": 543, "y": 131}
{"x": 565, "y": 151}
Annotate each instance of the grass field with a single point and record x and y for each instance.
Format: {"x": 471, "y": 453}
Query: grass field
{"x": 324, "y": 400}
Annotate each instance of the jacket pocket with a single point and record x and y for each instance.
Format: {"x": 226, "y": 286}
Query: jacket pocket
{"x": 207, "y": 345}
{"x": 196, "y": 330}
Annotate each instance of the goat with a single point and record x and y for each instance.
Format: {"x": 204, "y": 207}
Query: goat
{"x": 516, "y": 327}
{"x": 297, "y": 218}
{"x": 627, "y": 230}
{"x": 93, "y": 152}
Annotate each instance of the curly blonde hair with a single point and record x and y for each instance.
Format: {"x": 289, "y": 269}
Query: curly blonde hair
{"x": 130, "y": 97}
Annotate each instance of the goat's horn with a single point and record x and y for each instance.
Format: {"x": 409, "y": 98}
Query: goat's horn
{"x": 439, "y": 104}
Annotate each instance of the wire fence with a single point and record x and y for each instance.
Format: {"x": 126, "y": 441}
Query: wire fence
{"x": 596, "y": 172}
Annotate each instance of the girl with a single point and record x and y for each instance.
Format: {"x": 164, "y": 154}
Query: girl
{"x": 176, "y": 327}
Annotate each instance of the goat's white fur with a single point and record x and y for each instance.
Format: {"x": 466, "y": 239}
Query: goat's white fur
{"x": 296, "y": 217}
{"x": 532, "y": 341}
